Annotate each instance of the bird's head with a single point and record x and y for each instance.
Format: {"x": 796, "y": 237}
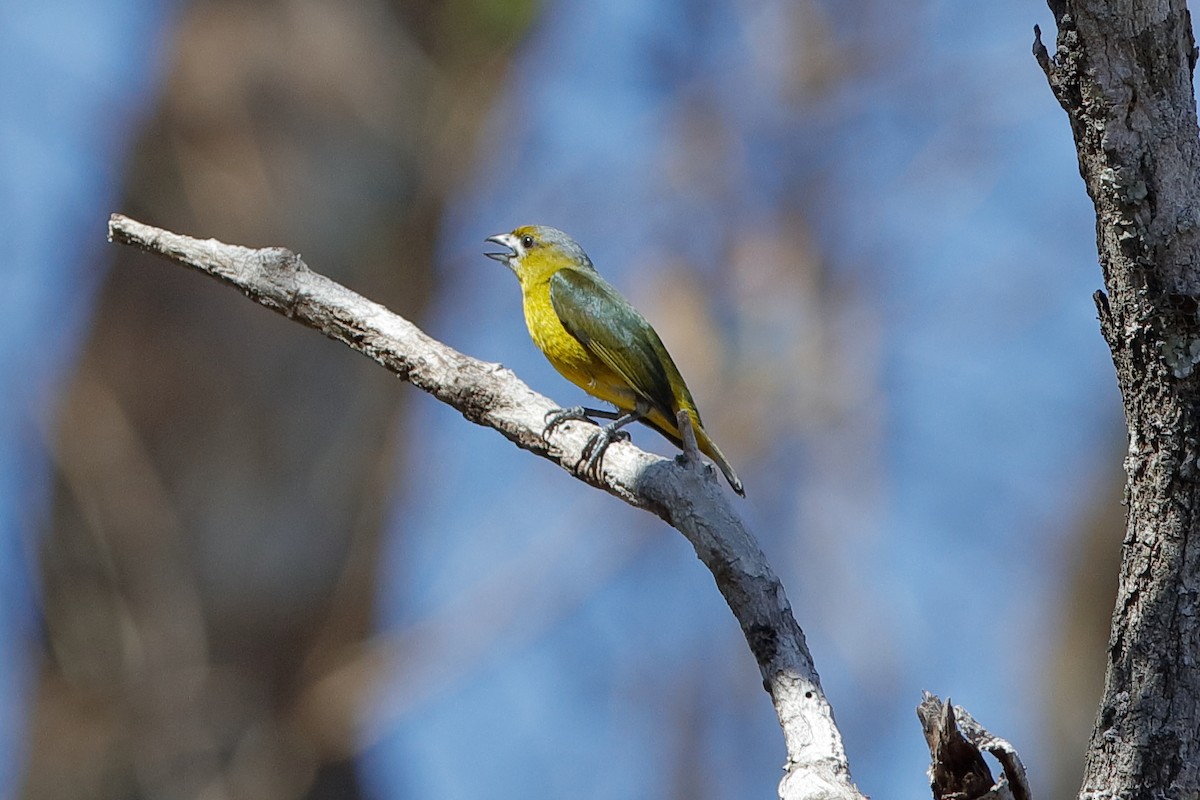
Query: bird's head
{"x": 537, "y": 252}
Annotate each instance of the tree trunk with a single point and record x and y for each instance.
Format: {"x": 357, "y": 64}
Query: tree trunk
{"x": 1123, "y": 73}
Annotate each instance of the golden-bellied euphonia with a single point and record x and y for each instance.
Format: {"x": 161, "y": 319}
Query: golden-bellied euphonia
{"x": 599, "y": 342}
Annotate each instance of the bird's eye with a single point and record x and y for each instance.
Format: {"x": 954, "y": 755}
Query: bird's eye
{"x": 527, "y": 241}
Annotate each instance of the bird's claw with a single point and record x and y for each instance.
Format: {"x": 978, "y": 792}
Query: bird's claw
{"x": 597, "y": 445}
{"x": 558, "y": 416}
{"x": 598, "y": 442}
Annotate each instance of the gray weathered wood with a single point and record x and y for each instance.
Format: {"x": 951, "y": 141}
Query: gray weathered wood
{"x": 1123, "y": 73}
{"x": 688, "y": 498}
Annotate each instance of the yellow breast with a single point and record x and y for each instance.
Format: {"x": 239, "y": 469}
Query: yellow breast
{"x": 566, "y": 354}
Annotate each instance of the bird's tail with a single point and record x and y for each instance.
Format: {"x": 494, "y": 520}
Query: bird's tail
{"x": 710, "y": 449}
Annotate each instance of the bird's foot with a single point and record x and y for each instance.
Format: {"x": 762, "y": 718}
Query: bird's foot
{"x": 558, "y": 416}
{"x": 597, "y": 444}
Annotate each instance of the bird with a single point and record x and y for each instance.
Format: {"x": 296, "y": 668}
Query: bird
{"x": 598, "y": 341}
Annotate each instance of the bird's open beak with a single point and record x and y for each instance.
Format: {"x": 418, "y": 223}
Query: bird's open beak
{"x": 506, "y": 240}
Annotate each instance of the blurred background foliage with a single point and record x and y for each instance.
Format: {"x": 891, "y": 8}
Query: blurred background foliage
{"x": 243, "y": 562}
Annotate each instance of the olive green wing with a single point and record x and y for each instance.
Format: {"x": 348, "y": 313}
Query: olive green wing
{"x": 613, "y": 331}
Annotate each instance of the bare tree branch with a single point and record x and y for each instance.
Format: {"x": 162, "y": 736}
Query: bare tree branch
{"x": 688, "y": 497}
{"x": 958, "y": 770}
{"x": 1123, "y": 74}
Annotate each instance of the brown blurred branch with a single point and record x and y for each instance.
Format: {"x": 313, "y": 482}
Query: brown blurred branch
{"x": 956, "y": 745}
{"x": 1123, "y": 73}
{"x": 689, "y": 499}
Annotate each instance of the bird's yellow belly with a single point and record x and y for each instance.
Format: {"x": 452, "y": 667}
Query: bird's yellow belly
{"x": 570, "y": 357}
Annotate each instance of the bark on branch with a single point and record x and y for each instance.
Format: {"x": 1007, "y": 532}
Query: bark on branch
{"x": 1123, "y": 73}
{"x": 957, "y": 743}
{"x": 684, "y": 495}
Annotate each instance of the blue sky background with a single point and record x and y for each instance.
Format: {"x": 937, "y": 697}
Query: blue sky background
{"x": 942, "y": 191}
